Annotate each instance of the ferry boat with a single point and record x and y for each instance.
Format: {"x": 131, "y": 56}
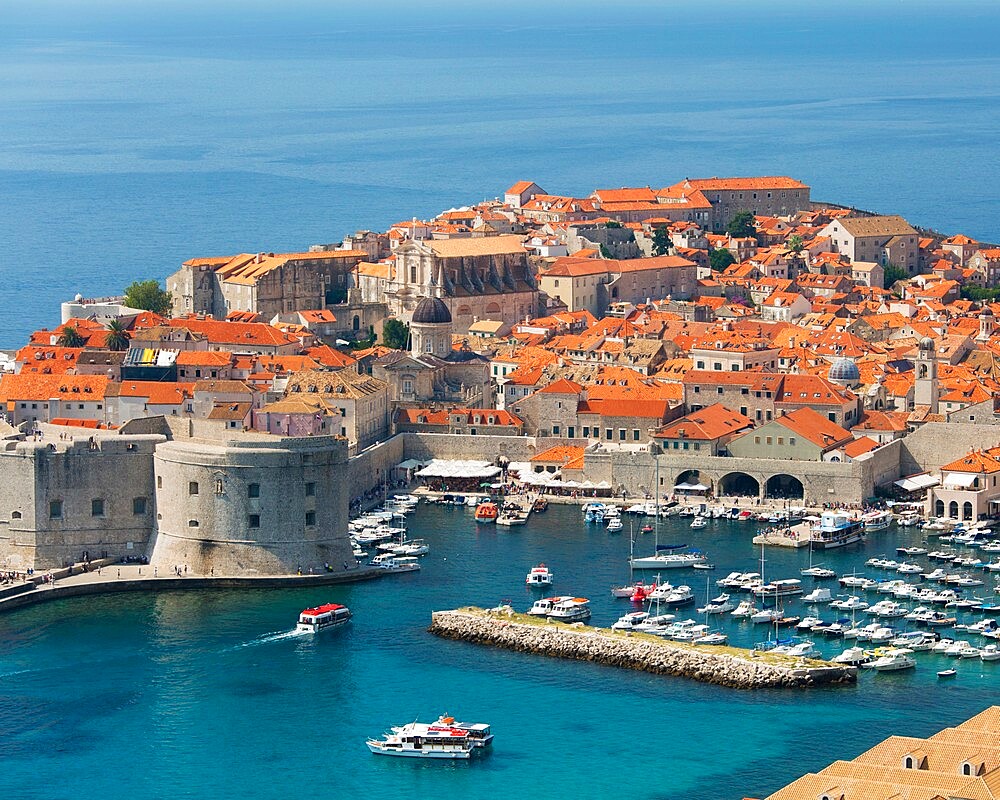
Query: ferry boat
{"x": 487, "y": 512}
{"x": 836, "y": 529}
{"x": 479, "y": 732}
{"x": 876, "y": 520}
{"x": 434, "y": 742}
{"x": 539, "y": 576}
{"x": 669, "y": 560}
{"x": 329, "y": 615}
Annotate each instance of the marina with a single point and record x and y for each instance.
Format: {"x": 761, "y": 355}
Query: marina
{"x": 225, "y": 637}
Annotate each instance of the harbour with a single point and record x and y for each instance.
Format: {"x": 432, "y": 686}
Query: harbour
{"x": 206, "y": 658}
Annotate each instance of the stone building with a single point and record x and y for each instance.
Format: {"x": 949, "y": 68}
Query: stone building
{"x": 263, "y": 283}
{"x": 884, "y": 240}
{"x": 252, "y": 505}
{"x": 478, "y": 278}
{"x": 361, "y": 401}
{"x": 767, "y": 196}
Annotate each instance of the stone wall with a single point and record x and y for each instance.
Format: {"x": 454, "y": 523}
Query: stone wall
{"x": 937, "y": 443}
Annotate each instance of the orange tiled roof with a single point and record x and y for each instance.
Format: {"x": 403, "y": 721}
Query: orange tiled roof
{"x": 559, "y": 454}
{"x": 706, "y": 424}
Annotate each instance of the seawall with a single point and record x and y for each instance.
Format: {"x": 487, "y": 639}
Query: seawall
{"x": 725, "y": 666}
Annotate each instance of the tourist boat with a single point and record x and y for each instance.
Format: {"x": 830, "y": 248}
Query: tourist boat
{"x": 836, "y": 529}
{"x": 487, "y": 512}
{"x": 894, "y": 659}
{"x": 540, "y": 505}
{"x": 745, "y": 609}
{"x": 424, "y": 742}
{"x": 818, "y": 596}
{"x": 782, "y": 588}
{"x": 539, "y": 576}
{"x": 572, "y": 609}
{"x": 669, "y": 560}
{"x": 615, "y": 524}
{"x": 393, "y": 563}
{"x": 990, "y": 653}
{"x": 543, "y": 607}
{"x": 479, "y": 732}
{"x": 947, "y": 673}
{"x": 876, "y": 520}
{"x": 699, "y": 522}
{"x": 329, "y": 615}
{"x": 717, "y": 605}
{"x": 853, "y": 657}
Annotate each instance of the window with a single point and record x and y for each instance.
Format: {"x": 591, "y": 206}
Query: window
{"x": 555, "y": 430}
{"x": 310, "y": 489}
{"x": 55, "y": 509}
{"x": 192, "y": 523}
{"x": 744, "y": 390}
{"x": 967, "y": 769}
{"x": 635, "y": 435}
{"x": 310, "y": 518}
{"x": 621, "y": 434}
{"x": 219, "y": 488}
{"x": 159, "y": 481}
{"x": 138, "y": 506}
{"x": 15, "y": 515}
{"x": 781, "y": 440}
{"x": 697, "y": 390}
{"x": 791, "y": 441}
{"x": 586, "y": 432}
{"x": 700, "y": 364}
{"x": 253, "y": 521}
{"x": 193, "y": 488}
{"x": 768, "y": 440}
{"x": 253, "y": 490}
{"x": 97, "y": 507}
{"x": 609, "y": 434}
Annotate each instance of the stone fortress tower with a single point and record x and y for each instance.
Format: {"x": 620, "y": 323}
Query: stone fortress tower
{"x": 430, "y": 328}
{"x": 925, "y": 385}
{"x": 252, "y": 506}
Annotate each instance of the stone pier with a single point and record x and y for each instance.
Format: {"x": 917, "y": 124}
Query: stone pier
{"x": 723, "y": 666}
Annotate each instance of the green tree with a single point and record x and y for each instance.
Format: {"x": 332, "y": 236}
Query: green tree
{"x": 741, "y": 226}
{"x": 116, "y": 336}
{"x": 395, "y": 334}
{"x": 148, "y": 296}
{"x": 661, "y": 241}
{"x": 795, "y": 244}
{"x": 979, "y": 293}
{"x": 894, "y": 273}
{"x": 612, "y": 223}
{"x": 606, "y": 252}
{"x": 69, "y": 337}
{"x": 720, "y": 259}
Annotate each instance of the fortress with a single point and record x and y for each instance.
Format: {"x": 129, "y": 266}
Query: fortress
{"x": 246, "y": 504}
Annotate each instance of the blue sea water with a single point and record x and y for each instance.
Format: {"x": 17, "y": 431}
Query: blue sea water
{"x": 199, "y": 695}
{"x": 135, "y": 136}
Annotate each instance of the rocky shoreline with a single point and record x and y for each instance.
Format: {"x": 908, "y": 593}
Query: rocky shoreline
{"x": 737, "y": 669}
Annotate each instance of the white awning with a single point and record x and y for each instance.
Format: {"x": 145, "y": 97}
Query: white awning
{"x": 443, "y": 468}
{"x": 690, "y": 487}
{"x": 410, "y": 463}
{"x": 912, "y": 483}
{"x": 960, "y": 480}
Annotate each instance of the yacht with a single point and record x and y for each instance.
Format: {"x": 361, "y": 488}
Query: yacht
{"x": 745, "y": 609}
{"x": 329, "y": 615}
{"x": 876, "y": 520}
{"x": 539, "y": 576}
{"x": 889, "y": 609}
{"x": 615, "y": 524}
{"x": 805, "y": 649}
{"x": 916, "y": 640}
{"x": 852, "y": 603}
{"x": 768, "y": 615}
{"x": 424, "y": 742}
{"x": 818, "y": 596}
{"x": 680, "y": 596}
{"x": 894, "y": 659}
{"x": 739, "y": 581}
{"x": 909, "y": 569}
{"x": 479, "y": 732}
{"x": 808, "y": 623}
{"x": 699, "y": 522}
{"x": 782, "y": 588}
{"x": 911, "y": 551}
{"x": 719, "y": 605}
{"x": 631, "y": 621}
{"x": 669, "y": 560}
{"x": 990, "y": 653}
{"x": 819, "y": 573}
{"x": 853, "y": 657}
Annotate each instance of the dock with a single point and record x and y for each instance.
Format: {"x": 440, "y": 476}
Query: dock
{"x": 795, "y": 536}
{"x": 724, "y": 666}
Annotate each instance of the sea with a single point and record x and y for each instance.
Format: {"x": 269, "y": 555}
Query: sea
{"x": 210, "y": 695}
{"x": 137, "y": 135}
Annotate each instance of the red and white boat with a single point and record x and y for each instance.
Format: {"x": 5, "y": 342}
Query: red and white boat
{"x": 479, "y": 732}
{"x": 539, "y": 576}
{"x": 330, "y": 615}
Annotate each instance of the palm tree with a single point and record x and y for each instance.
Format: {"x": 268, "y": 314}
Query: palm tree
{"x": 116, "y": 336}
{"x": 69, "y": 337}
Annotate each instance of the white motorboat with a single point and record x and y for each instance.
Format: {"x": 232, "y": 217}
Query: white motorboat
{"x": 539, "y": 576}
{"x": 852, "y": 603}
{"x": 745, "y": 609}
{"x": 712, "y": 638}
{"x": 679, "y": 596}
{"x": 895, "y": 659}
{"x": 804, "y": 649}
{"x": 768, "y": 615}
{"x": 820, "y": 573}
{"x": 615, "y": 524}
{"x": 573, "y": 609}
{"x": 393, "y": 563}
{"x": 429, "y": 742}
{"x": 699, "y": 522}
{"x": 888, "y": 608}
{"x": 782, "y": 588}
{"x": 909, "y": 569}
{"x": 818, "y": 596}
{"x": 630, "y": 621}
{"x": 915, "y": 640}
{"x": 990, "y": 652}
{"x": 320, "y": 618}
{"x": 955, "y": 649}
{"x": 808, "y": 623}
{"x": 853, "y": 657}
{"x": 740, "y": 581}
{"x": 718, "y": 605}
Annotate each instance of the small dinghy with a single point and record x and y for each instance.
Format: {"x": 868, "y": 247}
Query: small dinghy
{"x": 947, "y": 673}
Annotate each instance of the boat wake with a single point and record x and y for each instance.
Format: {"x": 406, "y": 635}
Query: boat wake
{"x": 268, "y": 638}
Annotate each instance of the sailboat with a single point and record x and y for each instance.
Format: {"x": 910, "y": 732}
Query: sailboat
{"x": 816, "y": 571}
{"x": 633, "y": 587}
{"x": 661, "y": 559}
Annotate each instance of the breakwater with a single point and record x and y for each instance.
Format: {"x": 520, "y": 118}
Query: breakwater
{"x": 723, "y": 666}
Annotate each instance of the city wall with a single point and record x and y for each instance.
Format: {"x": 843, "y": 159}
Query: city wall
{"x": 937, "y": 443}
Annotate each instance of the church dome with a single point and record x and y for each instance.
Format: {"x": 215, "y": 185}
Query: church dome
{"x": 844, "y": 369}
{"x": 927, "y": 343}
{"x": 986, "y": 312}
{"x": 431, "y": 311}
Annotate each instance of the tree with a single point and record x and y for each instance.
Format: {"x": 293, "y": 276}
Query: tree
{"x": 978, "y": 293}
{"x": 661, "y": 241}
{"x": 606, "y": 251}
{"x": 148, "y": 296}
{"x": 795, "y": 244}
{"x": 116, "y": 336}
{"x": 70, "y": 337}
{"x": 612, "y": 223}
{"x": 395, "y": 334}
{"x": 720, "y": 259}
{"x": 741, "y": 226}
{"x": 894, "y": 273}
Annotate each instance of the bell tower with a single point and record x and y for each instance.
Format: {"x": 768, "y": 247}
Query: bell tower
{"x": 925, "y": 388}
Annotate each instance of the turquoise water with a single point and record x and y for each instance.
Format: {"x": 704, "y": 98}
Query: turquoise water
{"x": 199, "y": 695}
{"x": 136, "y": 136}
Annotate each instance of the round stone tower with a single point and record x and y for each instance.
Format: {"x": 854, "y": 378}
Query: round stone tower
{"x": 430, "y": 328}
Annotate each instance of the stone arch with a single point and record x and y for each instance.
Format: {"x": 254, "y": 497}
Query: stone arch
{"x": 688, "y": 476}
{"x": 966, "y": 510}
{"x": 939, "y": 507}
{"x": 463, "y": 311}
{"x": 784, "y": 487}
{"x": 493, "y": 308}
{"x": 356, "y": 323}
{"x": 739, "y": 484}
{"x": 953, "y": 509}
